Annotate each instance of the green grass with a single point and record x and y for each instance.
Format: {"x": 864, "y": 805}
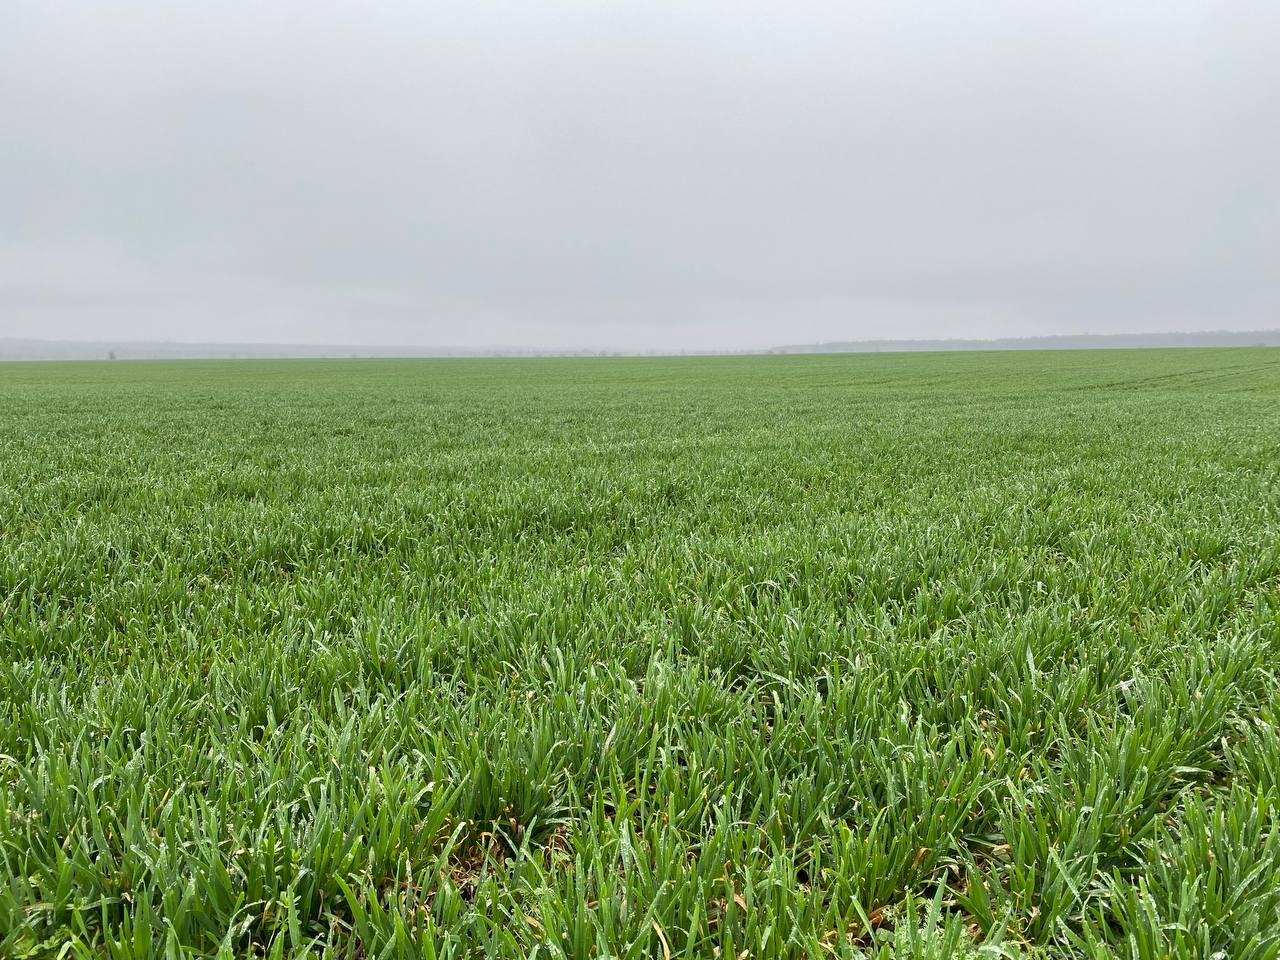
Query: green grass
{"x": 882, "y": 655}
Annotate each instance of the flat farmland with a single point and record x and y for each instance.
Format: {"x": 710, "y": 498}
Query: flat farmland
{"x": 897, "y": 655}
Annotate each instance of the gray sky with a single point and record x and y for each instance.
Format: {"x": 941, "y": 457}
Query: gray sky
{"x": 660, "y": 174}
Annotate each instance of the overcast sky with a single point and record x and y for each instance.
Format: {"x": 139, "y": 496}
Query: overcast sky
{"x": 683, "y": 174}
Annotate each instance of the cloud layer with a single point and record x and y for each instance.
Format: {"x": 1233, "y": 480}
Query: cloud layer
{"x": 639, "y": 175}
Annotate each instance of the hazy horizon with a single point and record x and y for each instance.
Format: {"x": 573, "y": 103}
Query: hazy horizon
{"x": 12, "y": 349}
{"x": 574, "y": 175}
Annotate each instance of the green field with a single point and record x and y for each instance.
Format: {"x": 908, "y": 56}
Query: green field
{"x": 886, "y": 654}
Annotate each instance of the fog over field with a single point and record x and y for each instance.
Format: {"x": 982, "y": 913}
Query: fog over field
{"x": 391, "y": 581}
{"x": 673, "y": 176}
